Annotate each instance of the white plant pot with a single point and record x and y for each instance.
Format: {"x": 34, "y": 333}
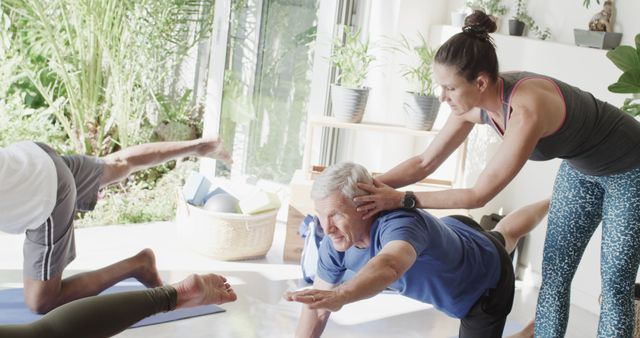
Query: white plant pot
{"x": 420, "y": 111}
{"x": 348, "y": 104}
{"x": 457, "y": 18}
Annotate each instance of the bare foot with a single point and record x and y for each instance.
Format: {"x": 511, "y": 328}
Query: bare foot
{"x": 203, "y": 289}
{"x": 213, "y": 147}
{"x": 527, "y": 332}
{"x": 147, "y": 273}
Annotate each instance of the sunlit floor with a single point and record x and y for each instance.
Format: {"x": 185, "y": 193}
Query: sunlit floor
{"x": 260, "y": 310}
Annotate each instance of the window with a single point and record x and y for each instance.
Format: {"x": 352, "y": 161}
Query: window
{"x": 266, "y": 81}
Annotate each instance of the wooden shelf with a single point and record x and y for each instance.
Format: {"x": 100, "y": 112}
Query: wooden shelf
{"x": 332, "y": 122}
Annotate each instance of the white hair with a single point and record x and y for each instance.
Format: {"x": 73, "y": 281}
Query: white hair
{"x": 343, "y": 177}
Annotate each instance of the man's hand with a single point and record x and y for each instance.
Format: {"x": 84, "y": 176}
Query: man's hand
{"x": 382, "y": 197}
{"x": 317, "y": 299}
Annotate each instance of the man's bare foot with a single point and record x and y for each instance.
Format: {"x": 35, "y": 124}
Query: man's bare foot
{"x": 213, "y": 147}
{"x": 147, "y": 273}
{"x": 527, "y": 332}
{"x": 203, "y": 289}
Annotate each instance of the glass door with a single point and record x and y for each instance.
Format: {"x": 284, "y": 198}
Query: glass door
{"x": 261, "y": 108}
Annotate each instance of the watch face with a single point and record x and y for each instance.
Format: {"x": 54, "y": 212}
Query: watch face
{"x": 409, "y": 201}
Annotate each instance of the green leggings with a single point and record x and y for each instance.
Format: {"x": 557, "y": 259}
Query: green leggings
{"x": 97, "y": 316}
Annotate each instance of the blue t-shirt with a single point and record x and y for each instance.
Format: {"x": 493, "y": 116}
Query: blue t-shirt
{"x": 455, "y": 263}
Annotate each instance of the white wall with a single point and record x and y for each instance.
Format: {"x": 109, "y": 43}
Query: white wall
{"x": 560, "y": 58}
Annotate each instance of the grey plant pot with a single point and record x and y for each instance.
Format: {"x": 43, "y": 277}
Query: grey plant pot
{"x": 348, "y": 104}
{"x": 594, "y": 39}
{"x": 420, "y": 111}
{"x": 516, "y": 27}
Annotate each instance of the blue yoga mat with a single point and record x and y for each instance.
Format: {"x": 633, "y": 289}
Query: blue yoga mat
{"x": 15, "y": 311}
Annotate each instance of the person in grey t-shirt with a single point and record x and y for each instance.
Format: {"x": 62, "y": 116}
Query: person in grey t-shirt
{"x": 49, "y": 247}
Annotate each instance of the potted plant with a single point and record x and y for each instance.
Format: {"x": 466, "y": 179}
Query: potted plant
{"x": 516, "y": 24}
{"x": 352, "y": 59}
{"x": 494, "y": 8}
{"x": 522, "y": 19}
{"x": 627, "y": 59}
{"x": 421, "y": 104}
{"x": 586, "y": 3}
{"x": 458, "y": 16}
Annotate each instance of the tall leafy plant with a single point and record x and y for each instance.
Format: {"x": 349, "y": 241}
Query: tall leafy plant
{"x": 105, "y": 57}
{"x": 627, "y": 59}
{"x": 420, "y": 71}
{"x": 491, "y": 7}
{"x": 352, "y": 58}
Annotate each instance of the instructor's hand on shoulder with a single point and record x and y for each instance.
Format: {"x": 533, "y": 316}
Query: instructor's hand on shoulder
{"x": 381, "y": 197}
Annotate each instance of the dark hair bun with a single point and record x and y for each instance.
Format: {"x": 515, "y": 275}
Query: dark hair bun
{"x": 479, "y": 24}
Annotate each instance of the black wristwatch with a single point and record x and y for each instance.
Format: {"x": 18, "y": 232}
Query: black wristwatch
{"x": 409, "y": 200}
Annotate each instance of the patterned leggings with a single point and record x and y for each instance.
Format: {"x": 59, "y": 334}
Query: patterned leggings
{"x": 578, "y": 204}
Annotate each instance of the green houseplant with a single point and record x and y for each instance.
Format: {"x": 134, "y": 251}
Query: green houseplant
{"x": 421, "y": 105}
{"x": 627, "y": 59}
{"x": 352, "y": 60}
{"x": 516, "y": 23}
{"x": 586, "y": 3}
{"x": 522, "y": 19}
{"x": 493, "y": 8}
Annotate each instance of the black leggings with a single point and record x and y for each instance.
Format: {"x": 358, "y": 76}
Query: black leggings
{"x": 97, "y": 316}
{"x": 487, "y": 317}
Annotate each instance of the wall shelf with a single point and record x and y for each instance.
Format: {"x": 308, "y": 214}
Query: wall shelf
{"x": 316, "y": 122}
{"x": 583, "y": 67}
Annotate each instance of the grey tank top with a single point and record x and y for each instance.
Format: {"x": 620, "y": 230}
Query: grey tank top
{"x": 596, "y": 138}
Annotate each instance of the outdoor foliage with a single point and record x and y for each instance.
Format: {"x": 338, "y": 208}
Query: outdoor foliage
{"x": 94, "y": 76}
{"x": 94, "y": 63}
{"x": 137, "y": 202}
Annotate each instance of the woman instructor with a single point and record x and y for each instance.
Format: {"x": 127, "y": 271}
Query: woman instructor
{"x": 538, "y": 118}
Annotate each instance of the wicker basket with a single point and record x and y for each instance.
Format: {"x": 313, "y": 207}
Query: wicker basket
{"x": 225, "y": 236}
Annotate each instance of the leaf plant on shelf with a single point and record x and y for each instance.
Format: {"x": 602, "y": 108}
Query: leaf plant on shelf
{"x": 586, "y": 3}
{"x": 421, "y": 104}
{"x": 493, "y": 8}
{"x": 527, "y": 21}
{"x": 352, "y": 60}
{"x": 627, "y": 59}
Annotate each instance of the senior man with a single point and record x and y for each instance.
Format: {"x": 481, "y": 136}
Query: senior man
{"x": 449, "y": 262}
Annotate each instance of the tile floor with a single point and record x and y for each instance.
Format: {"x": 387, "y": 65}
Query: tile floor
{"x": 260, "y": 310}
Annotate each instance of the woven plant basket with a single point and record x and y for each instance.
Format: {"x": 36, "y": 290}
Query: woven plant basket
{"x": 225, "y": 236}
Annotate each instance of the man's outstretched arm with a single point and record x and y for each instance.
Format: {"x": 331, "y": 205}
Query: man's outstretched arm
{"x": 122, "y": 163}
{"x": 395, "y": 258}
